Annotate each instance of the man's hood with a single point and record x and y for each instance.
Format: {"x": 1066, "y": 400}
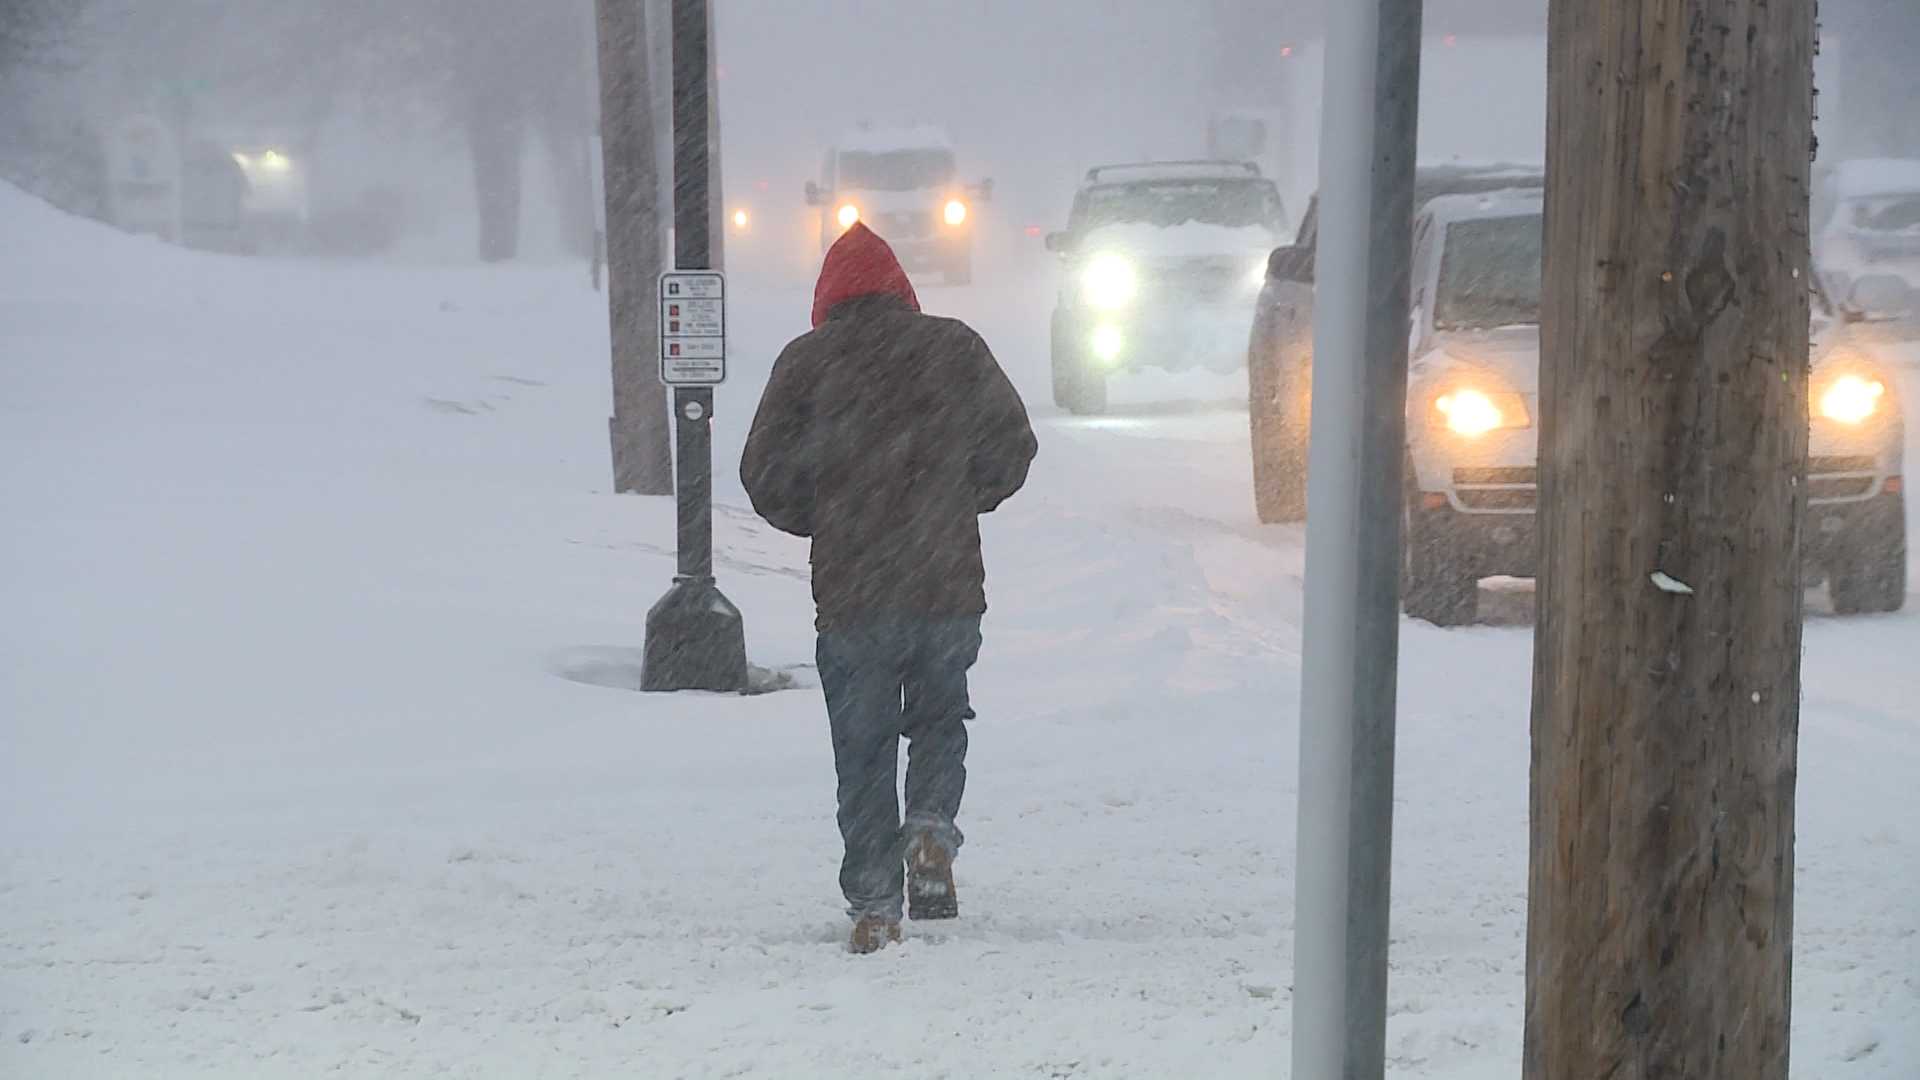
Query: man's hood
{"x": 859, "y": 264}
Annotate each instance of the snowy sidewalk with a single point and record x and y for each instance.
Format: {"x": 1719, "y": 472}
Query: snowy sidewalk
{"x": 310, "y": 584}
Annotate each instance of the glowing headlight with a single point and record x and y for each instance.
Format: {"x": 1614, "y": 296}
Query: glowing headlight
{"x": 1108, "y": 343}
{"x": 956, "y": 212}
{"x": 275, "y": 161}
{"x": 741, "y": 219}
{"x": 1850, "y": 399}
{"x": 849, "y": 214}
{"x": 1257, "y": 277}
{"x": 1473, "y": 413}
{"x": 1109, "y": 282}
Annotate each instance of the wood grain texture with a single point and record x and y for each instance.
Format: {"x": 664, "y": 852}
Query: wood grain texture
{"x": 1673, "y": 441}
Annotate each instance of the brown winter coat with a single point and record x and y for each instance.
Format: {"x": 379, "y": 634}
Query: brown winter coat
{"x": 883, "y": 434}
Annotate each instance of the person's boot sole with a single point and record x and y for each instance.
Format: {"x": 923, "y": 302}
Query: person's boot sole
{"x": 931, "y": 896}
{"x": 932, "y": 908}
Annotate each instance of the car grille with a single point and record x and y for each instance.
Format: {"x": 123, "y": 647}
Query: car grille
{"x": 1840, "y": 477}
{"x": 904, "y": 225}
{"x": 1516, "y": 489}
{"x": 1196, "y": 282}
{"x": 1510, "y": 490}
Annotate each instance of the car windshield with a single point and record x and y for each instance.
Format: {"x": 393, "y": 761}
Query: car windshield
{"x": 1490, "y": 274}
{"x": 1891, "y": 214}
{"x": 1232, "y": 203}
{"x": 896, "y": 170}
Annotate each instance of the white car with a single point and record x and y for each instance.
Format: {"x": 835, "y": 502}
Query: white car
{"x": 1856, "y": 531}
{"x": 1867, "y": 223}
{"x": 1163, "y": 263}
{"x": 905, "y": 185}
{"x": 1473, "y": 409}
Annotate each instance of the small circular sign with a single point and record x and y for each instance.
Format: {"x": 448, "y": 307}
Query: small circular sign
{"x": 695, "y": 411}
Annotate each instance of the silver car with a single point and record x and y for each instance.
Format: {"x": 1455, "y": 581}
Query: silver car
{"x": 1473, "y": 409}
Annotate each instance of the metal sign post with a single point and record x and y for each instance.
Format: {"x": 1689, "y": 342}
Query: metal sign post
{"x": 1354, "y": 499}
{"x": 696, "y": 639}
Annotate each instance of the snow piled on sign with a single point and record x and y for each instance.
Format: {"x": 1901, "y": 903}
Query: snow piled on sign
{"x": 319, "y": 754}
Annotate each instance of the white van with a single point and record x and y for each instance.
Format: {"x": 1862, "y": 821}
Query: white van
{"x": 905, "y": 185}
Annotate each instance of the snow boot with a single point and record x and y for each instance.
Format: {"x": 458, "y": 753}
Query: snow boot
{"x": 930, "y": 892}
{"x": 871, "y": 933}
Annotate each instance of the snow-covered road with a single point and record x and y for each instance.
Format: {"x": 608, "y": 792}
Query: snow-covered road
{"x": 314, "y": 620}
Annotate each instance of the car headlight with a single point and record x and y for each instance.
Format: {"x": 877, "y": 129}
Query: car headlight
{"x": 1852, "y": 398}
{"x": 741, "y": 219}
{"x": 955, "y": 213}
{"x": 1257, "y": 277}
{"x": 1472, "y": 412}
{"x": 1109, "y": 282}
{"x": 849, "y": 215}
{"x": 275, "y": 161}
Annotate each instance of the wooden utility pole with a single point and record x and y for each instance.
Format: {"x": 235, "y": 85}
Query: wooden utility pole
{"x": 1673, "y": 447}
{"x": 636, "y": 249}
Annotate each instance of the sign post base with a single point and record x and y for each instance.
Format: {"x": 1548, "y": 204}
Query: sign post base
{"x": 696, "y": 640}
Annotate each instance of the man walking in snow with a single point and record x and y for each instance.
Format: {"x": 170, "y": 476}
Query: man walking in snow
{"x": 883, "y": 435}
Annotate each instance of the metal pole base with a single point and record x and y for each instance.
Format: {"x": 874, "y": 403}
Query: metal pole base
{"x": 696, "y": 640}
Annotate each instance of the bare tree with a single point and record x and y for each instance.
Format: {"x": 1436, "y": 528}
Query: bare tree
{"x": 37, "y": 34}
{"x": 1673, "y": 444}
{"x": 515, "y": 73}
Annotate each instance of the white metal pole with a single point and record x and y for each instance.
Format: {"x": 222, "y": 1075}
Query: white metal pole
{"x": 1354, "y": 499}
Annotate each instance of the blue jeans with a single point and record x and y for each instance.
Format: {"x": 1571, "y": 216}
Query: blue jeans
{"x": 885, "y": 678}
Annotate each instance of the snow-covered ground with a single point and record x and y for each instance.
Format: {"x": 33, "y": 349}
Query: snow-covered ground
{"x": 318, "y": 751}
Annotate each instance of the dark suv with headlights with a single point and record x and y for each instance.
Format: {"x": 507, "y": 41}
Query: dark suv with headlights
{"x": 1280, "y": 350}
{"x": 1162, "y": 263}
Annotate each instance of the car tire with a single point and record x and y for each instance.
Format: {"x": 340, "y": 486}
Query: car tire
{"x": 1873, "y": 580}
{"x": 1430, "y": 588}
{"x": 1279, "y": 450}
{"x": 1077, "y": 388}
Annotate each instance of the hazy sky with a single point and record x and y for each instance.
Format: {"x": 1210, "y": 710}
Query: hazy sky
{"x": 1031, "y": 93}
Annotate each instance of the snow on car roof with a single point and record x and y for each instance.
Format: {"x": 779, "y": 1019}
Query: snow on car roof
{"x": 1148, "y": 171}
{"x": 1435, "y": 179}
{"x": 1511, "y": 202}
{"x": 1867, "y": 178}
{"x": 880, "y": 140}
{"x": 1465, "y": 167}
